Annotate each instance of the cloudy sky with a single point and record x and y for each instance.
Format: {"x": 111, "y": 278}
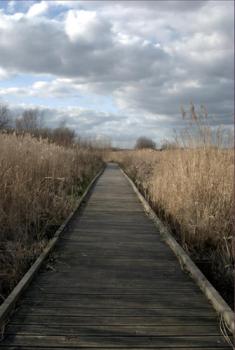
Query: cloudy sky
{"x": 118, "y": 69}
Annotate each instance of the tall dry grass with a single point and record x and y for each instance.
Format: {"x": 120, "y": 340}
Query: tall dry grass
{"x": 39, "y": 186}
{"x": 191, "y": 189}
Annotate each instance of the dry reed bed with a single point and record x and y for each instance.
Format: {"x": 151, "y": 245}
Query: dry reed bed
{"x": 192, "y": 191}
{"x": 39, "y": 186}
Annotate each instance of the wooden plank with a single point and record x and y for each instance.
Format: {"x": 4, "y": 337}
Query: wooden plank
{"x": 71, "y": 295}
{"x": 141, "y": 271}
{"x": 93, "y": 283}
{"x": 59, "y": 289}
{"x": 111, "y": 318}
{"x": 84, "y": 311}
{"x": 80, "y": 260}
{"x": 124, "y": 342}
{"x": 108, "y": 330}
{"x": 79, "y": 307}
{"x": 116, "y": 278}
{"x": 122, "y": 237}
{"x": 18, "y": 347}
{"x": 93, "y": 301}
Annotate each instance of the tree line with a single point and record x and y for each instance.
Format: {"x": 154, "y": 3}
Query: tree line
{"x": 31, "y": 122}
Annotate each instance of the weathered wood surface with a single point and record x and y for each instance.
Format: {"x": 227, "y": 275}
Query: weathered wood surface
{"x": 113, "y": 284}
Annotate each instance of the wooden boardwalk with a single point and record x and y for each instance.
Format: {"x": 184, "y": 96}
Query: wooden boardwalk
{"x": 113, "y": 284}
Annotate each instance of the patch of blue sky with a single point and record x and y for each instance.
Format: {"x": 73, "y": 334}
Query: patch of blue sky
{"x": 23, "y": 80}
{"x": 30, "y": 101}
{"x": 102, "y": 103}
{"x": 56, "y": 11}
{"x": 91, "y": 102}
{"x": 5, "y": 5}
{"x": 173, "y": 33}
{"x": 13, "y": 6}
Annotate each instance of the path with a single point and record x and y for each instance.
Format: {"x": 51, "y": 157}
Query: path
{"x": 113, "y": 284}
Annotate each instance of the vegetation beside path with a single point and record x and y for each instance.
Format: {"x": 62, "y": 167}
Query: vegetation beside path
{"x": 40, "y": 183}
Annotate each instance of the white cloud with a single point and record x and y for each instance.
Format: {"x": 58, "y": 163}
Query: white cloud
{"x": 37, "y": 9}
{"x": 14, "y": 91}
{"x": 126, "y": 39}
{"x": 4, "y": 74}
{"x": 40, "y": 85}
{"x": 80, "y": 24}
{"x": 65, "y": 3}
{"x": 11, "y": 6}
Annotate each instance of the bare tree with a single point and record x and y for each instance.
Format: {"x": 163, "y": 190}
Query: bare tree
{"x": 63, "y": 135}
{"x": 169, "y": 145}
{"x": 4, "y": 117}
{"x": 145, "y": 142}
{"x": 30, "y": 121}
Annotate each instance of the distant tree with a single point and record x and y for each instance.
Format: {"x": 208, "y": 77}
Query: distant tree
{"x": 145, "y": 142}
{"x": 63, "y": 135}
{"x": 103, "y": 142}
{"x": 169, "y": 145}
{"x": 30, "y": 121}
{"x": 4, "y": 116}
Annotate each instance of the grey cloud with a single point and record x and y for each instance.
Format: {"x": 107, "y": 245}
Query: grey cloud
{"x": 161, "y": 5}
